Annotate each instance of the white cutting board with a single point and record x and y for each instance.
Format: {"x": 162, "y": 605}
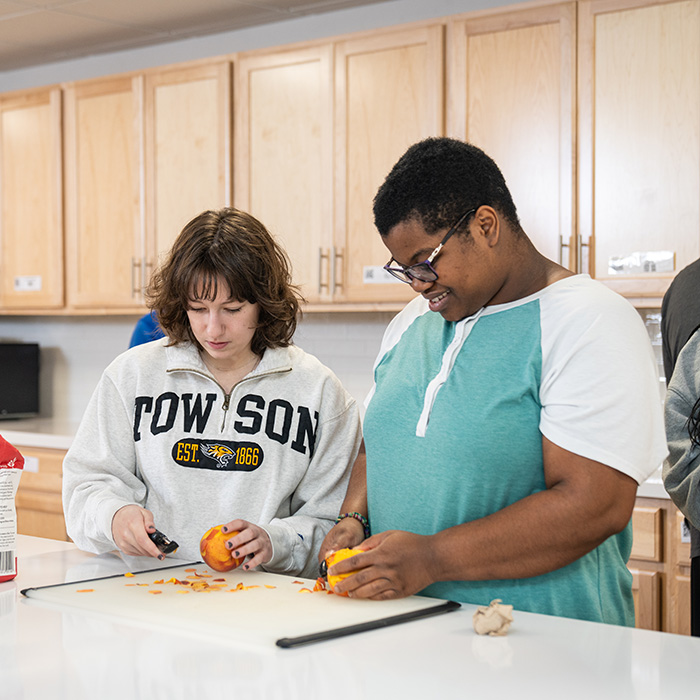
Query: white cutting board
{"x": 277, "y": 609}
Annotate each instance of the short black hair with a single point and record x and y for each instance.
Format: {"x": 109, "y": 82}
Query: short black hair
{"x": 436, "y": 181}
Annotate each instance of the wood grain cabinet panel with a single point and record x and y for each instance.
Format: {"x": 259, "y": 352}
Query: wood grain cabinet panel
{"x": 639, "y": 137}
{"x": 647, "y": 524}
{"x": 283, "y": 155}
{"x": 646, "y": 589}
{"x": 187, "y": 149}
{"x": 660, "y": 567}
{"x": 31, "y": 200}
{"x": 104, "y": 203}
{"x": 38, "y": 501}
{"x": 511, "y": 91}
{"x": 317, "y": 130}
{"x": 388, "y": 95}
{"x": 681, "y": 603}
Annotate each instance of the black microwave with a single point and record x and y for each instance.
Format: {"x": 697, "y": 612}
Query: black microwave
{"x": 19, "y": 380}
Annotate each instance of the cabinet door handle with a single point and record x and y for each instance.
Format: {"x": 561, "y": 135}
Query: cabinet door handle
{"x": 136, "y": 290}
{"x": 591, "y": 255}
{"x": 148, "y": 269}
{"x": 562, "y": 245}
{"x": 338, "y": 255}
{"x": 323, "y": 255}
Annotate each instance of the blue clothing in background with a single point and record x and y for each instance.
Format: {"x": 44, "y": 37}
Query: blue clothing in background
{"x": 146, "y": 330}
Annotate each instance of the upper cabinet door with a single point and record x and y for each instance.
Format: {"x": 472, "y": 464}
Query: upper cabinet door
{"x": 511, "y": 92}
{"x": 639, "y": 81}
{"x": 283, "y": 155}
{"x": 388, "y": 96}
{"x": 31, "y": 223}
{"x": 104, "y": 203}
{"x": 188, "y": 149}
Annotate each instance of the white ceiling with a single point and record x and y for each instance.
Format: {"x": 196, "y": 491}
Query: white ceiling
{"x": 45, "y": 31}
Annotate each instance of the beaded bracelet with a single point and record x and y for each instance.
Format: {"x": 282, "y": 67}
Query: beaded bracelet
{"x": 357, "y": 516}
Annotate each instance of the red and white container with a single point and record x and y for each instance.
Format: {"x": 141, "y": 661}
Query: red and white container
{"x": 11, "y": 465}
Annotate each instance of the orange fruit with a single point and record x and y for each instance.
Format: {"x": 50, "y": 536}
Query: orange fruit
{"x": 213, "y": 549}
{"x": 334, "y": 558}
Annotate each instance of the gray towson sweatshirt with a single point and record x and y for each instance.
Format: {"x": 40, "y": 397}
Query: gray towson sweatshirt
{"x": 160, "y": 432}
{"x": 681, "y": 471}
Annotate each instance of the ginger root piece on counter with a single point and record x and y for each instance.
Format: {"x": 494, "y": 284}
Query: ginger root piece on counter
{"x": 493, "y": 619}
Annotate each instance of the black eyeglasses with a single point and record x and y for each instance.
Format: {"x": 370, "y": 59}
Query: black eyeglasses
{"x": 424, "y": 271}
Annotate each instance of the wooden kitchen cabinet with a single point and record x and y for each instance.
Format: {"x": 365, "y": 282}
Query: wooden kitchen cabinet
{"x": 317, "y": 130}
{"x": 388, "y": 95}
{"x": 31, "y": 200}
{"x": 188, "y": 126}
{"x": 104, "y": 202}
{"x": 680, "y": 600}
{"x": 660, "y": 566}
{"x": 590, "y": 108}
{"x": 38, "y": 500}
{"x": 283, "y": 155}
{"x": 145, "y": 153}
{"x": 639, "y": 139}
{"x": 646, "y": 590}
{"x": 511, "y": 91}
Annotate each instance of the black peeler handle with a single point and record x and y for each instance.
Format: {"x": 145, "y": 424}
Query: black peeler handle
{"x": 162, "y": 542}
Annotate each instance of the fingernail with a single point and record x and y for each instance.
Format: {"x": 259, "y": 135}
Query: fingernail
{"x": 161, "y": 557}
{"x": 236, "y": 554}
{"x": 224, "y": 529}
{"x": 246, "y": 567}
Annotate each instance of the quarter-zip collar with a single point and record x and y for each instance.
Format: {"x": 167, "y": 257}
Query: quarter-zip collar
{"x": 462, "y": 330}
{"x": 185, "y": 357}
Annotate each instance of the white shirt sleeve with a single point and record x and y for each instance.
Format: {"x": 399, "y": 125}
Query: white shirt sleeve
{"x": 600, "y": 384}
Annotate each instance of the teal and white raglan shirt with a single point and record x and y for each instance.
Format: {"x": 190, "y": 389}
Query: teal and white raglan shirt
{"x": 455, "y": 419}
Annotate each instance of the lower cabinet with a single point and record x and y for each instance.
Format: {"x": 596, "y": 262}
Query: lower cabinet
{"x": 660, "y": 566}
{"x": 38, "y": 500}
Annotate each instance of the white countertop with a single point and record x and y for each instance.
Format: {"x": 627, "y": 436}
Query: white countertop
{"x": 54, "y": 654}
{"x": 50, "y": 433}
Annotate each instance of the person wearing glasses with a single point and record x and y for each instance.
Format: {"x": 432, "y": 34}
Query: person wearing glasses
{"x": 514, "y": 411}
